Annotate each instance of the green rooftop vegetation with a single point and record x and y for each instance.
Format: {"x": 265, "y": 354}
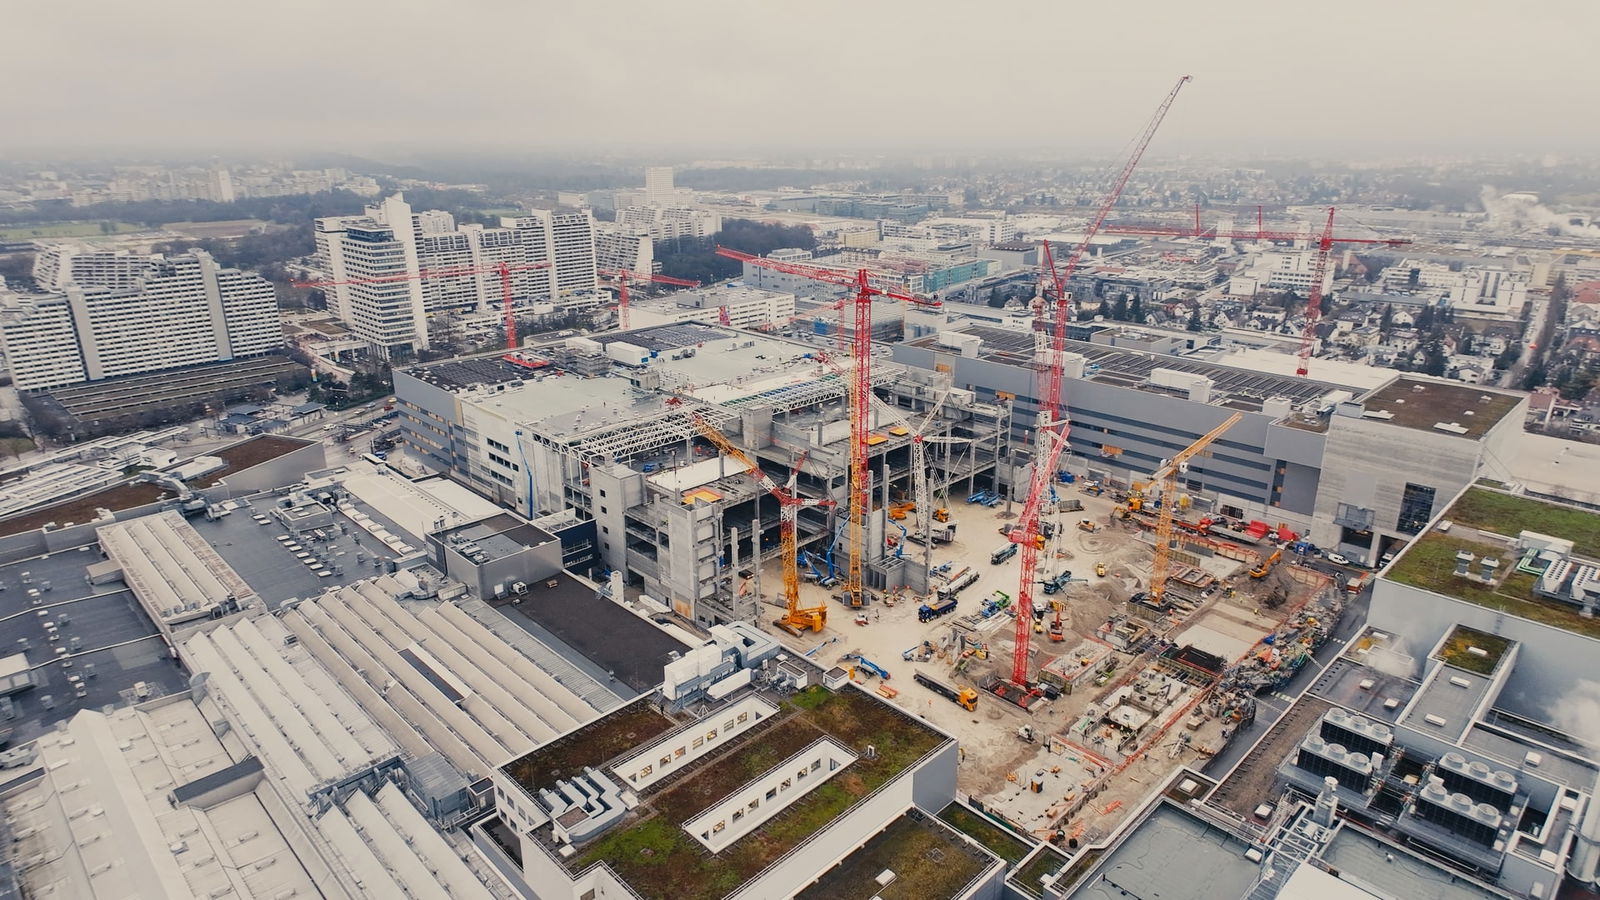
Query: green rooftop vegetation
{"x": 1049, "y": 861}
{"x": 1457, "y": 649}
{"x": 1000, "y": 841}
{"x": 659, "y": 859}
{"x": 928, "y": 862}
{"x": 1510, "y": 515}
{"x": 1430, "y": 563}
{"x": 591, "y": 745}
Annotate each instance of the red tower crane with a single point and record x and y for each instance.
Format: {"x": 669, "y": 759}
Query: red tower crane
{"x": 1319, "y": 270}
{"x": 1053, "y": 425}
{"x": 860, "y": 390}
{"x": 622, "y": 276}
{"x": 503, "y": 269}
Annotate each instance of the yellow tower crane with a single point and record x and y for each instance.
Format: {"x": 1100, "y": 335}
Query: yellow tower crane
{"x": 1167, "y": 475}
{"x": 796, "y": 620}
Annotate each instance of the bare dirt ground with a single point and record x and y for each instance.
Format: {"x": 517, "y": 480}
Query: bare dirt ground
{"x": 1074, "y": 776}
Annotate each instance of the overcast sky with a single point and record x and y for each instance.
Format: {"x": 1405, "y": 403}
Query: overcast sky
{"x": 386, "y": 79}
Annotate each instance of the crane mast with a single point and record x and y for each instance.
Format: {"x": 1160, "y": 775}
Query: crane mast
{"x": 796, "y": 619}
{"x": 622, "y": 276}
{"x": 1053, "y": 428}
{"x": 1314, "y": 302}
{"x": 860, "y": 391}
{"x": 1168, "y": 476}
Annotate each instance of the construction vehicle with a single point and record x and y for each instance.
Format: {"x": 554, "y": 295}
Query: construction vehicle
{"x": 966, "y": 697}
{"x": 1025, "y": 734}
{"x": 954, "y": 584}
{"x": 867, "y": 664}
{"x": 1088, "y": 525}
{"x": 897, "y": 511}
{"x": 995, "y": 604}
{"x": 936, "y": 607}
{"x": 920, "y": 653}
{"x": 796, "y": 620}
{"x": 1001, "y": 555}
{"x": 822, "y": 578}
{"x": 1100, "y": 569}
{"x": 941, "y": 515}
{"x": 1056, "y": 584}
{"x": 1265, "y": 568}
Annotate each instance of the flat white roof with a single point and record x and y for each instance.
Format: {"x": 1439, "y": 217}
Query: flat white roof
{"x": 1333, "y": 371}
{"x": 413, "y": 507}
{"x": 1555, "y": 466}
{"x": 98, "y": 822}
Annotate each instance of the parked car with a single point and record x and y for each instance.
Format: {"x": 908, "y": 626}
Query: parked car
{"x": 1338, "y": 560}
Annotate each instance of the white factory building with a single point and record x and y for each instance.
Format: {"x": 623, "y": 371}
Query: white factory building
{"x": 728, "y": 304}
{"x": 181, "y": 311}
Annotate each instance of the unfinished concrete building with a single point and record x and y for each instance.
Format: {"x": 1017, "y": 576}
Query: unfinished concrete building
{"x": 605, "y": 425}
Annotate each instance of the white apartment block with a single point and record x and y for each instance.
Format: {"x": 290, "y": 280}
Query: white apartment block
{"x": 1282, "y": 270}
{"x": 618, "y": 248}
{"x": 393, "y": 258}
{"x": 658, "y": 190}
{"x": 664, "y": 222}
{"x": 185, "y": 311}
{"x": 58, "y": 265}
{"x": 1489, "y": 291}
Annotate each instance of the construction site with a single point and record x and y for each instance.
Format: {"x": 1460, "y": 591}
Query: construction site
{"x": 1119, "y": 694}
{"x": 1080, "y": 636}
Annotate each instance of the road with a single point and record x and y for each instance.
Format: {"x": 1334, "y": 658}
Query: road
{"x": 1536, "y": 332}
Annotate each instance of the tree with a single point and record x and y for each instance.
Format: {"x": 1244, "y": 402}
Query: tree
{"x": 1433, "y": 359}
{"x": 1413, "y": 277}
{"x": 1194, "y": 320}
{"x": 1386, "y": 320}
{"x": 1136, "y": 310}
{"x": 697, "y": 258}
{"x": 1424, "y": 320}
{"x": 1508, "y": 357}
{"x": 1464, "y": 345}
{"x": 1535, "y": 377}
{"x": 1119, "y": 308}
{"x": 996, "y": 299}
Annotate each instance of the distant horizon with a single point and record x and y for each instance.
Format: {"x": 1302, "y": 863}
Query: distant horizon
{"x": 708, "y": 77}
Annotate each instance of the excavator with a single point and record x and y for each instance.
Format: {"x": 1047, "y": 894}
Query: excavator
{"x": 1262, "y": 570}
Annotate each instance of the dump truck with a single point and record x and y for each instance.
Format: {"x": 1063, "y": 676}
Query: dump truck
{"x": 938, "y": 606}
{"x": 967, "y": 698}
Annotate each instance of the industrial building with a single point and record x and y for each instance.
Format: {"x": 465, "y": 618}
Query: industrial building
{"x": 169, "y": 313}
{"x": 605, "y": 429}
{"x": 1341, "y": 463}
{"x": 731, "y": 304}
{"x": 734, "y": 828}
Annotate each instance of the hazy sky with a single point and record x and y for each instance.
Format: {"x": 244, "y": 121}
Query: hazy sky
{"x": 386, "y": 79}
